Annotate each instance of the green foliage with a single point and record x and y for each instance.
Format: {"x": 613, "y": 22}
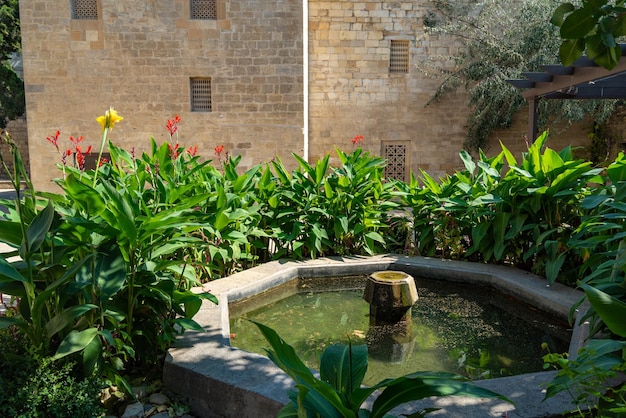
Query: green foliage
{"x": 585, "y": 378}
{"x": 593, "y": 27}
{"x": 338, "y": 391}
{"x": 9, "y": 28}
{"x": 101, "y": 271}
{"x": 320, "y": 210}
{"x": 38, "y": 387}
{"x": 501, "y": 39}
{"x": 604, "y": 244}
{"x": 524, "y": 217}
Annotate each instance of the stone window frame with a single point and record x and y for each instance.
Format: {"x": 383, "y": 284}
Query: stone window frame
{"x": 398, "y": 156}
{"x": 85, "y": 9}
{"x": 200, "y": 94}
{"x": 218, "y": 11}
{"x": 399, "y": 56}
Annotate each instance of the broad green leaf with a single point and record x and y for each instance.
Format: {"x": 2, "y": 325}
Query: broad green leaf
{"x": 189, "y": 324}
{"x": 221, "y": 220}
{"x": 92, "y": 356}
{"x": 110, "y": 273}
{"x": 553, "y": 267}
{"x": 467, "y": 161}
{"x": 578, "y": 24}
{"x": 10, "y": 232}
{"x": 608, "y": 57}
{"x": 85, "y": 196}
{"x": 7, "y": 321}
{"x": 620, "y": 26}
{"x": 423, "y": 385}
{"x": 559, "y": 14}
{"x": 344, "y": 367}
{"x": 39, "y": 227}
{"x": 570, "y": 50}
{"x": 320, "y": 169}
{"x": 611, "y": 310}
{"x": 119, "y": 213}
{"x": 375, "y": 236}
{"x": 75, "y": 341}
{"x": 7, "y": 271}
{"x": 500, "y": 224}
{"x": 284, "y": 356}
{"x": 617, "y": 170}
{"x": 66, "y": 318}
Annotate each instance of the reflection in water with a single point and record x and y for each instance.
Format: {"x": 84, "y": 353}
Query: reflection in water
{"x": 454, "y": 328}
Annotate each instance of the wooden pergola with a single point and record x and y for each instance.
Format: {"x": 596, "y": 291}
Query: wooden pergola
{"x": 584, "y": 79}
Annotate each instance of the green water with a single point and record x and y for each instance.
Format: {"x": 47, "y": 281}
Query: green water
{"x": 454, "y": 328}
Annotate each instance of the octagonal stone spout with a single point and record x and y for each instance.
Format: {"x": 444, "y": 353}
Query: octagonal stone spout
{"x": 390, "y": 295}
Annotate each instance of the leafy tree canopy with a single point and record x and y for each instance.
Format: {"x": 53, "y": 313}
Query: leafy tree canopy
{"x": 592, "y": 26}
{"x": 9, "y": 28}
{"x": 12, "y": 103}
{"x": 500, "y": 40}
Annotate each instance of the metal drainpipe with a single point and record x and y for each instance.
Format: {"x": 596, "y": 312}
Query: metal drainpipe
{"x": 305, "y": 77}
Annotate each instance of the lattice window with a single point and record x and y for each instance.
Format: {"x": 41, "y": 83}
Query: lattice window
{"x": 396, "y": 156}
{"x": 203, "y": 9}
{"x": 200, "y": 94}
{"x": 399, "y": 57}
{"x": 85, "y": 9}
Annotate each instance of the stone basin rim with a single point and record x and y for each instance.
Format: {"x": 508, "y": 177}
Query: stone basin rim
{"x": 204, "y": 366}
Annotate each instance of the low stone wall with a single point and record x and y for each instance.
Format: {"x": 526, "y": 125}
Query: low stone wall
{"x": 223, "y": 381}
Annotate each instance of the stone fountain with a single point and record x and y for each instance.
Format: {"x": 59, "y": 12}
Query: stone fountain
{"x": 390, "y": 294}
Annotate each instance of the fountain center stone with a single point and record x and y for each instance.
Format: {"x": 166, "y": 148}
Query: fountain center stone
{"x": 391, "y": 294}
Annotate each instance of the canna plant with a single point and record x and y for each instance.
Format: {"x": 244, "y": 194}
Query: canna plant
{"x": 525, "y": 217}
{"x": 320, "y": 210}
{"x": 338, "y": 391}
{"x": 104, "y": 270}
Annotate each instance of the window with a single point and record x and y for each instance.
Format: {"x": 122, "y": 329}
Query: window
{"x": 200, "y": 94}
{"x": 399, "y": 57}
{"x": 203, "y": 9}
{"x": 85, "y": 9}
{"x": 396, "y": 157}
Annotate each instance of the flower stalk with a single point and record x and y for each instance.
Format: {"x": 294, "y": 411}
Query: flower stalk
{"x": 108, "y": 120}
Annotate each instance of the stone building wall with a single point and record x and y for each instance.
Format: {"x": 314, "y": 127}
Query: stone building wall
{"x": 139, "y": 56}
{"x": 353, "y": 92}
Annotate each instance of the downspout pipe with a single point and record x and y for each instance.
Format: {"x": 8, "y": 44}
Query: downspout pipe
{"x": 305, "y": 79}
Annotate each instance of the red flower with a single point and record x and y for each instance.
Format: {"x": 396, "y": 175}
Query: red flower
{"x": 54, "y": 140}
{"x": 172, "y": 125}
{"x": 173, "y": 151}
{"x": 66, "y": 154}
{"x": 357, "y": 140}
{"x": 218, "y": 150}
{"x": 103, "y": 161}
{"x": 78, "y": 140}
{"x": 192, "y": 150}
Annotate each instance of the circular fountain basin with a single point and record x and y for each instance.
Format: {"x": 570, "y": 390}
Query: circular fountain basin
{"x": 220, "y": 380}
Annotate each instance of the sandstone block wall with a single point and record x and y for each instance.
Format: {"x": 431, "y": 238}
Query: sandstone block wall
{"x": 139, "y": 57}
{"x": 353, "y": 93}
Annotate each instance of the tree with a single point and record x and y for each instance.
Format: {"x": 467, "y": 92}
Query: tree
{"x": 501, "y": 40}
{"x": 12, "y": 104}
{"x": 592, "y": 27}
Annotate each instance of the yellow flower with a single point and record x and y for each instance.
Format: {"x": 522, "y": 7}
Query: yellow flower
{"x": 109, "y": 119}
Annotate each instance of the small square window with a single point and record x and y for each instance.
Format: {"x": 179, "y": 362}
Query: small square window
{"x": 85, "y": 9}
{"x": 203, "y": 9}
{"x": 200, "y": 94}
{"x": 396, "y": 157}
{"x": 399, "y": 57}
